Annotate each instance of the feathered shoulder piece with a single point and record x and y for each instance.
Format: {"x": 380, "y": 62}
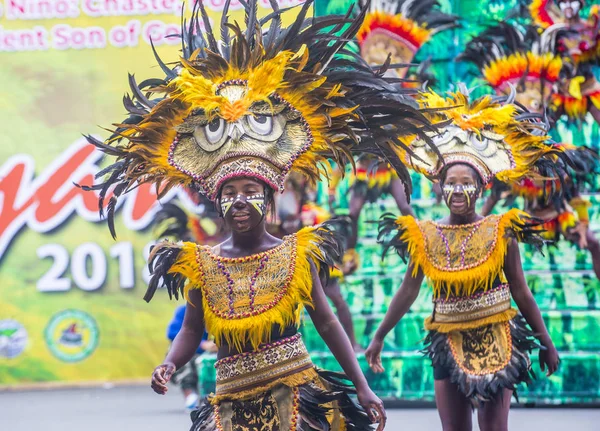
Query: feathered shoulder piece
{"x": 244, "y": 298}
{"x": 260, "y": 102}
{"x": 399, "y": 28}
{"x": 511, "y": 56}
{"x": 458, "y": 259}
{"x": 493, "y": 135}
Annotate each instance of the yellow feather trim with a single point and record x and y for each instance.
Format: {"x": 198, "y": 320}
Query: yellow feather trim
{"x": 464, "y": 282}
{"x": 256, "y": 330}
{"x": 297, "y": 379}
{"x": 504, "y": 316}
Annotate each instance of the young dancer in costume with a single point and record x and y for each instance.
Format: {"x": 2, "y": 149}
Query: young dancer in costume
{"x": 233, "y": 118}
{"x": 393, "y": 31}
{"x": 478, "y": 344}
{"x": 575, "y": 40}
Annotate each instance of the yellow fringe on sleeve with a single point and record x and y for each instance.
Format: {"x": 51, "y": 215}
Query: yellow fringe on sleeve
{"x": 256, "y": 330}
{"x": 187, "y": 266}
{"x": 468, "y": 281}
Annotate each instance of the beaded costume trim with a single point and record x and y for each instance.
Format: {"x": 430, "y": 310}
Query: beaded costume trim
{"x": 257, "y": 369}
{"x": 460, "y": 260}
{"x": 254, "y": 283}
{"x": 243, "y": 299}
{"x": 480, "y": 305}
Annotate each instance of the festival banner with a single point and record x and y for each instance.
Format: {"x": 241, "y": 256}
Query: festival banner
{"x": 71, "y": 307}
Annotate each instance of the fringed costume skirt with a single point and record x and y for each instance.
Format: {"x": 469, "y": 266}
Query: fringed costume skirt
{"x": 277, "y": 388}
{"x": 480, "y": 343}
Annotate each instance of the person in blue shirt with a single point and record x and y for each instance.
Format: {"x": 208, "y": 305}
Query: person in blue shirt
{"x": 187, "y": 376}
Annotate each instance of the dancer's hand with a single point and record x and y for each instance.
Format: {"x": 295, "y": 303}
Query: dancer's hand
{"x": 549, "y": 359}
{"x": 373, "y": 355}
{"x": 373, "y": 406}
{"x": 161, "y": 376}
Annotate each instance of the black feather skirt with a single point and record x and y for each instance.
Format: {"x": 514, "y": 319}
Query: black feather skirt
{"x": 485, "y": 360}
{"x": 324, "y": 404}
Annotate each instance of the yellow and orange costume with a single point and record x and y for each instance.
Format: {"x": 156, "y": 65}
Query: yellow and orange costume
{"x": 509, "y": 57}
{"x": 475, "y": 338}
{"x": 557, "y": 202}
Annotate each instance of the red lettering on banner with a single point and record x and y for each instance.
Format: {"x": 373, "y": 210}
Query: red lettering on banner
{"x": 144, "y": 201}
{"x": 11, "y": 210}
{"x": 48, "y": 200}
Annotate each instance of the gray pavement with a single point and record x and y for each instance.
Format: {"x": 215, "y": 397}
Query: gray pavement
{"x": 138, "y": 408}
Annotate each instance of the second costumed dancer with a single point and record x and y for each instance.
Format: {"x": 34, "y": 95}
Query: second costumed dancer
{"x": 477, "y": 342}
{"x": 234, "y": 118}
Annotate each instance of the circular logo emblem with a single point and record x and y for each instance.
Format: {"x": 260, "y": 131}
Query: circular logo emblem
{"x": 13, "y": 338}
{"x": 72, "y": 335}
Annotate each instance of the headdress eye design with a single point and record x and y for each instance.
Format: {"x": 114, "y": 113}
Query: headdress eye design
{"x": 479, "y": 143}
{"x": 261, "y": 124}
{"x": 266, "y": 128}
{"x": 211, "y": 136}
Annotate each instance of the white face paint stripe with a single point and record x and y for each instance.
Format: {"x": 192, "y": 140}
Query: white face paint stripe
{"x": 468, "y": 190}
{"x": 257, "y": 201}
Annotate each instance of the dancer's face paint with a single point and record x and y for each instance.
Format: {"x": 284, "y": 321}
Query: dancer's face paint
{"x": 243, "y": 204}
{"x": 460, "y": 189}
{"x": 469, "y": 191}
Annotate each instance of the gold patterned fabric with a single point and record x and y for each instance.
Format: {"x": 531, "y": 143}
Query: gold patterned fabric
{"x": 272, "y": 363}
{"x": 480, "y": 305}
{"x": 459, "y": 260}
{"x": 483, "y": 360}
{"x": 454, "y": 248}
{"x": 274, "y": 410}
{"x": 483, "y": 350}
{"x": 241, "y": 287}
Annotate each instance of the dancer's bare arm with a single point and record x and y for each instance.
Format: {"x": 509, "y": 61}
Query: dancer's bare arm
{"x": 185, "y": 344}
{"x": 528, "y": 307}
{"x": 403, "y": 299}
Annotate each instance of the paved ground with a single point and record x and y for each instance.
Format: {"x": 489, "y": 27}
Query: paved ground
{"x": 138, "y": 408}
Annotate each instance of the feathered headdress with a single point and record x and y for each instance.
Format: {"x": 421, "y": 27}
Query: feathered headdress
{"x": 492, "y": 135}
{"x": 509, "y": 57}
{"x": 581, "y": 46}
{"x": 399, "y": 28}
{"x": 256, "y": 103}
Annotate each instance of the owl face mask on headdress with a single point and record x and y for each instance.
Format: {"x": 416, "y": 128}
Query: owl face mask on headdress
{"x": 260, "y": 103}
{"x": 250, "y": 127}
{"x": 487, "y": 135}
